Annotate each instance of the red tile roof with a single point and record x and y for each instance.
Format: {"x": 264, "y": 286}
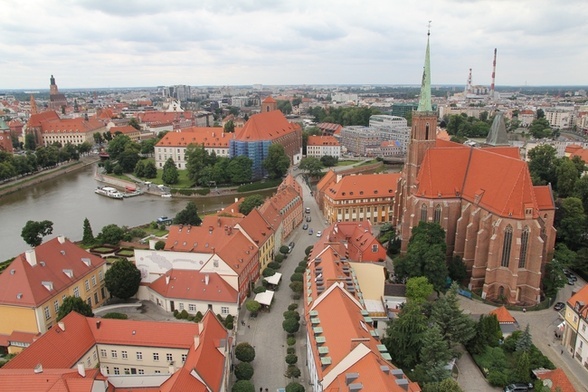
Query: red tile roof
{"x": 37, "y": 119}
{"x": 67, "y": 125}
{"x": 560, "y": 382}
{"x": 256, "y": 227}
{"x": 163, "y": 117}
{"x": 322, "y": 141}
{"x": 580, "y": 296}
{"x": 503, "y": 315}
{"x": 194, "y": 285}
{"x": 210, "y": 137}
{"x": 23, "y": 284}
{"x": 265, "y": 126}
{"x": 269, "y": 99}
{"x": 211, "y": 235}
{"x": 125, "y": 130}
{"x": 364, "y": 186}
{"x": 23, "y": 337}
{"x": 49, "y": 380}
{"x": 582, "y": 153}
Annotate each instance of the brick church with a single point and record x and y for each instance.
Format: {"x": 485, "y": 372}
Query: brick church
{"x": 494, "y": 218}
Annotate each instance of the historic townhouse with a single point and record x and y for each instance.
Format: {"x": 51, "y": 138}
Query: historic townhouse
{"x": 575, "y": 336}
{"x": 133, "y": 133}
{"x": 70, "y": 130}
{"x": 319, "y": 146}
{"x": 34, "y": 285}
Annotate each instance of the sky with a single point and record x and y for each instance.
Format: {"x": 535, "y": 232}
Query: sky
{"x": 141, "y": 43}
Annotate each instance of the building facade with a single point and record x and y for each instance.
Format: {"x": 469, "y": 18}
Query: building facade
{"x": 395, "y": 125}
{"x": 319, "y": 146}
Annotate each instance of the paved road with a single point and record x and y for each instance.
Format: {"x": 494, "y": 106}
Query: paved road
{"x": 265, "y": 331}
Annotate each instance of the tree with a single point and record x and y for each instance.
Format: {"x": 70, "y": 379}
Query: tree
{"x": 447, "y": 385}
{"x": 119, "y": 144}
{"x": 404, "y": 335}
{"x": 33, "y": 232}
{"x": 88, "y": 237}
{"x": 243, "y": 371}
{"x": 457, "y": 269}
{"x": 522, "y": 369}
{"x": 284, "y": 106}
{"x": 540, "y": 128}
{"x": 291, "y": 325}
{"x": 128, "y": 160}
{"x": 252, "y": 306}
{"x": 291, "y": 359}
{"x": 572, "y": 224}
{"x": 312, "y": 165}
{"x": 122, "y": 279}
{"x": 297, "y": 287}
{"x": 250, "y": 202}
{"x": 76, "y": 304}
{"x": 98, "y": 139}
{"x": 524, "y": 342}
{"x": 542, "y": 164}
{"x": 149, "y": 169}
{"x": 243, "y": 386}
{"x": 30, "y": 142}
{"x": 329, "y": 161}
{"x": 240, "y": 170}
{"x": 229, "y": 127}
{"x": 244, "y": 352}
{"x": 488, "y": 333}
{"x": 170, "y": 173}
{"x": 425, "y": 255}
{"x": 133, "y": 122}
{"x": 111, "y": 234}
{"x": 277, "y": 162}
{"x": 554, "y": 277}
{"x": 148, "y": 146}
{"x": 294, "y": 387}
{"x": 434, "y": 357}
{"x": 188, "y": 216}
{"x": 195, "y": 161}
{"x": 567, "y": 174}
{"x": 418, "y": 289}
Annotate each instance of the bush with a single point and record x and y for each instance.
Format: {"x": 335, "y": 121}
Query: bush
{"x": 291, "y": 350}
{"x": 308, "y": 250}
{"x": 198, "y": 317}
{"x": 243, "y": 386}
{"x": 300, "y": 270}
{"x": 159, "y": 245}
{"x": 296, "y": 277}
{"x": 293, "y": 306}
{"x": 274, "y": 265}
{"x": 291, "y": 359}
{"x": 244, "y": 352}
{"x": 268, "y": 272}
{"x": 184, "y": 314}
{"x": 291, "y": 341}
{"x": 284, "y": 249}
{"x": 292, "y": 314}
{"x": 259, "y": 289}
{"x": 115, "y": 315}
{"x": 279, "y": 258}
{"x": 293, "y": 372}
{"x": 291, "y": 325}
{"x": 176, "y": 313}
{"x": 229, "y": 321}
{"x": 294, "y": 387}
{"x": 244, "y": 371}
{"x": 303, "y": 263}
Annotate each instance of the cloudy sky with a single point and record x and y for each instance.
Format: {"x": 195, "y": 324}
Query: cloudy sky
{"x": 118, "y": 43}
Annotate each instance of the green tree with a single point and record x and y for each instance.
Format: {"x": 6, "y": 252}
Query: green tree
{"x": 540, "y": 128}
{"x": 111, "y": 234}
{"x": 88, "y": 237}
{"x": 33, "y": 232}
{"x": 522, "y": 369}
{"x": 195, "y": 157}
{"x": 252, "y": 306}
{"x": 139, "y": 169}
{"x": 291, "y": 325}
{"x": 457, "y": 269}
{"x": 524, "y": 342}
{"x": 30, "y": 142}
{"x": 148, "y": 146}
{"x": 297, "y": 287}
{"x": 488, "y": 333}
{"x": 229, "y": 127}
{"x": 294, "y": 387}
{"x": 581, "y": 191}
{"x": 418, "y": 289}
{"x": 188, "y": 216}
{"x": 149, "y": 169}
{"x": 128, "y": 160}
{"x": 243, "y": 386}
{"x": 170, "y": 173}
{"x": 311, "y": 165}
{"x": 117, "y": 145}
{"x": 542, "y": 164}
{"x": 404, "y": 335}
{"x": 133, "y": 122}
{"x": 285, "y": 107}
{"x": 98, "y": 139}
{"x": 243, "y": 371}
{"x": 122, "y": 279}
{"x": 84, "y": 148}
{"x": 447, "y": 385}
{"x": 240, "y": 169}
{"x": 329, "y": 161}
{"x": 425, "y": 255}
{"x": 245, "y": 352}
{"x": 277, "y": 162}
{"x": 567, "y": 174}
{"x": 291, "y": 359}
{"x": 572, "y": 224}
{"x": 434, "y": 357}
{"x": 250, "y": 202}
{"x": 76, "y": 304}
{"x": 554, "y": 277}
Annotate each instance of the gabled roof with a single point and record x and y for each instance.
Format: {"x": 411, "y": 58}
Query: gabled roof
{"x": 194, "y": 285}
{"x": 322, "y": 141}
{"x": 210, "y": 235}
{"x": 581, "y": 297}
{"x": 364, "y": 186}
{"x": 326, "y": 180}
{"x": 559, "y": 381}
{"x": 71, "y": 125}
{"x": 256, "y": 227}
{"x": 209, "y": 137}
{"x": 23, "y": 284}
{"x": 163, "y": 117}
{"x": 37, "y": 119}
{"x": 49, "y": 380}
{"x": 503, "y": 315}
{"x": 125, "y": 130}
{"x": 265, "y": 126}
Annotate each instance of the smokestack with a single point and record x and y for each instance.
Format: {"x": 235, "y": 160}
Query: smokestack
{"x": 81, "y": 369}
{"x": 31, "y": 257}
{"x": 493, "y": 75}
{"x": 468, "y": 88}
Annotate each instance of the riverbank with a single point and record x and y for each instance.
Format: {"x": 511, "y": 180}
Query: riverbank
{"x": 46, "y": 175}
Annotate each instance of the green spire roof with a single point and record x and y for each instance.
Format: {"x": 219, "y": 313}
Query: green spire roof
{"x": 425, "y": 98}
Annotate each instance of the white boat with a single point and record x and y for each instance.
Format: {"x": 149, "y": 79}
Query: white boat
{"x": 166, "y": 195}
{"x": 109, "y": 192}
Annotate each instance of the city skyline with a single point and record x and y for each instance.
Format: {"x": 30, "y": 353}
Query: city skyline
{"x": 91, "y": 44}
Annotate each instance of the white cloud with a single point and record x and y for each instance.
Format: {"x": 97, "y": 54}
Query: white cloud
{"x": 98, "y": 43}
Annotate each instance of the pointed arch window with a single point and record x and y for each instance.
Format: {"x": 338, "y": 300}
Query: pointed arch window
{"x": 524, "y": 246}
{"x": 424, "y": 213}
{"x": 506, "y": 246}
{"x": 437, "y": 217}
{"x": 427, "y": 131}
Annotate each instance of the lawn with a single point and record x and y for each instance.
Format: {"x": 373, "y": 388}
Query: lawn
{"x": 183, "y": 180}
{"x": 346, "y": 163}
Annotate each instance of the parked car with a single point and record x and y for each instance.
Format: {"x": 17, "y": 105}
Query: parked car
{"x": 308, "y": 219}
{"x": 310, "y": 232}
{"x": 305, "y": 226}
{"x": 571, "y": 281}
{"x": 290, "y": 246}
{"x": 307, "y": 210}
{"x": 318, "y": 233}
{"x": 559, "y": 306}
{"x": 518, "y": 386}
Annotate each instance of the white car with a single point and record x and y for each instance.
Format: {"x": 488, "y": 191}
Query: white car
{"x": 318, "y": 233}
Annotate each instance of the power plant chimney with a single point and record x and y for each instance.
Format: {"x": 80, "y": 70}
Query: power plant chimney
{"x": 493, "y": 75}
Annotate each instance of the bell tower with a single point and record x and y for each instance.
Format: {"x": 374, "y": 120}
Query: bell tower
{"x": 424, "y": 126}
{"x": 52, "y": 86}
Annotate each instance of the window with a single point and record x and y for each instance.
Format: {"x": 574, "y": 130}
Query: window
{"x": 76, "y": 291}
{"x": 141, "y": 371}
{"x": 156, "y": 356}
{"x": 94, "y": 356}
{"x": 184, "y": 356}
{"x": 87, "y": 285}
{"x": 116, "y": 370}
{"x": 423, "y": 213}
{"x": 88, "y": 363}
{"x": 181, "y": 306}
{"x": 113, "y": 353}
{"x": 139, "y": 356}
{"x": 224, "y": 310}
{"x": 506, "y": 246}
{"x": 524, "y": 245}
{"x": 374, "y": 248}
{"x": 101, "y": 276}
{"x": 93, "y": 280}
{"x": 127, "y": 371}
{"x": 192, "y": 307}
{"x": 89, "y": 301}
{"x": 124, "y": 354}
{"x": 47, "y": 313}
{"x": 56, "y": 306}
{"x": 102, "y": 353}
{"x": 437, "y": 217}
{"x": 157, "y": 371}
{"x": 169, "y": 357}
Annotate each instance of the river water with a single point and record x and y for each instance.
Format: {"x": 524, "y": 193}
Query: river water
{"x": 68, "y": 199}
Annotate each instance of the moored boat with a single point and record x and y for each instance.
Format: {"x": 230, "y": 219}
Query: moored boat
{"x": 109, "y": 192}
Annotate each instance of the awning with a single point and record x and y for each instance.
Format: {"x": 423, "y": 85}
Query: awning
{"x": 265, "y": 298}
{"x": 274, "y": 279}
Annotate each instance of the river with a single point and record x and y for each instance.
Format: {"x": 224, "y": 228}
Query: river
{"x": 68, "y": 199}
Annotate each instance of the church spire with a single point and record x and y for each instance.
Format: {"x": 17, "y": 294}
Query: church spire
{"x": 34, "y": 109}
{"x": 425, "y": 97}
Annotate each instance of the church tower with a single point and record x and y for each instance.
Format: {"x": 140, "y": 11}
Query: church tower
{"x": 424, "y": 126}
{"x": 269, "y": 104}
{"x": 53, "y": 87}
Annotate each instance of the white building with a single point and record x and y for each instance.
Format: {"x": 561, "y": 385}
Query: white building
{"x": 319, "y": 146}
{"x": 396, "y": 126}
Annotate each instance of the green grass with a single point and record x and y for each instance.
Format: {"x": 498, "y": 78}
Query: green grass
{"x": 103, "y": 249}
{"x": 346, "y": 163}
{"x": 125, "y": 253}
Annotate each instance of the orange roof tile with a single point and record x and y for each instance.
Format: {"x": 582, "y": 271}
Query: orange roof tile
{"x": 560, "y": 382}
{"x": 503, "y": 315}
{"x": 256, "y": 227}
{"x": 582, "y": 153}
{"x": 23, "y": 284}
{"x": 163, "y": 117}
{"x": 78, "y": 125}
{"x": 37, "y": 119}
{"x": 194, "y": 285}
{"x": 364, "y": 186}
{"x": 268, "y": 99}
{"x": 322, "y": 141}
{"x": 581, "y": 296}
{"x": 209, "y": 137}
{"x": 23, "y": 337}
{"x": 210, "y": 235}
{"x": 125, "y": 130}
{"x": 265, "y": 126}
{"x": 49, "y": 380}
{"x": 544, "y": 197}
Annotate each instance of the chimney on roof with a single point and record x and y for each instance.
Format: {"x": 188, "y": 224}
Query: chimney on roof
{"x": 196, "y": 341}
{"x": 218, "y": 222}
{"x": 171, "y": 368}
{"x": 31, "y": 257}
{"x": 61, "y": 325}
{"x": 166, "y": 280}
{"x": 81, "y": 369}
{"x": 236, "y": 199}
{"x": 98, "y": 322}
{"x": 210, "y": 229}
{"x": 61, "y": 239}
{"x": 38, "y": 369}
{"x": 206, "y": 279}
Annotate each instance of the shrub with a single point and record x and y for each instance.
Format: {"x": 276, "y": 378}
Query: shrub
{"x": 303, "y": 263}
{"x": 190, "y": 318}
{"x": 274, "y": 265}
{"x": 294, "y": 387}
{"x": 115, "y": 315}
{"x": 252, "y": 306}
{"x": 291, "y": 341}
{"x": 291, "y": 325}
{"x": 244, "y": 352}
{"x": 293, "y": 306}
{"x": 184, "y": 314}
{"x": 291, "y": 359}
{"x": 279, "y": 258}
{"x": 243, "y": 386}
{"x": 293, "y": 372}
{"x": 291, "y": 350}
{"x": 229, "y": 321}
{"x": 308, "y": 250}
{"x": 198, "y": 317}
{"x": 176, "y": 313}
{"x": 296, "y": 277}
{"x": 159, "y": 245}
{"x": 244, "y": 371}
{"x": 292, "y": 314}
{"x": 300, "y": 270}
{"x": 284, "y": 249}
{"x": 268, "y": 272}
